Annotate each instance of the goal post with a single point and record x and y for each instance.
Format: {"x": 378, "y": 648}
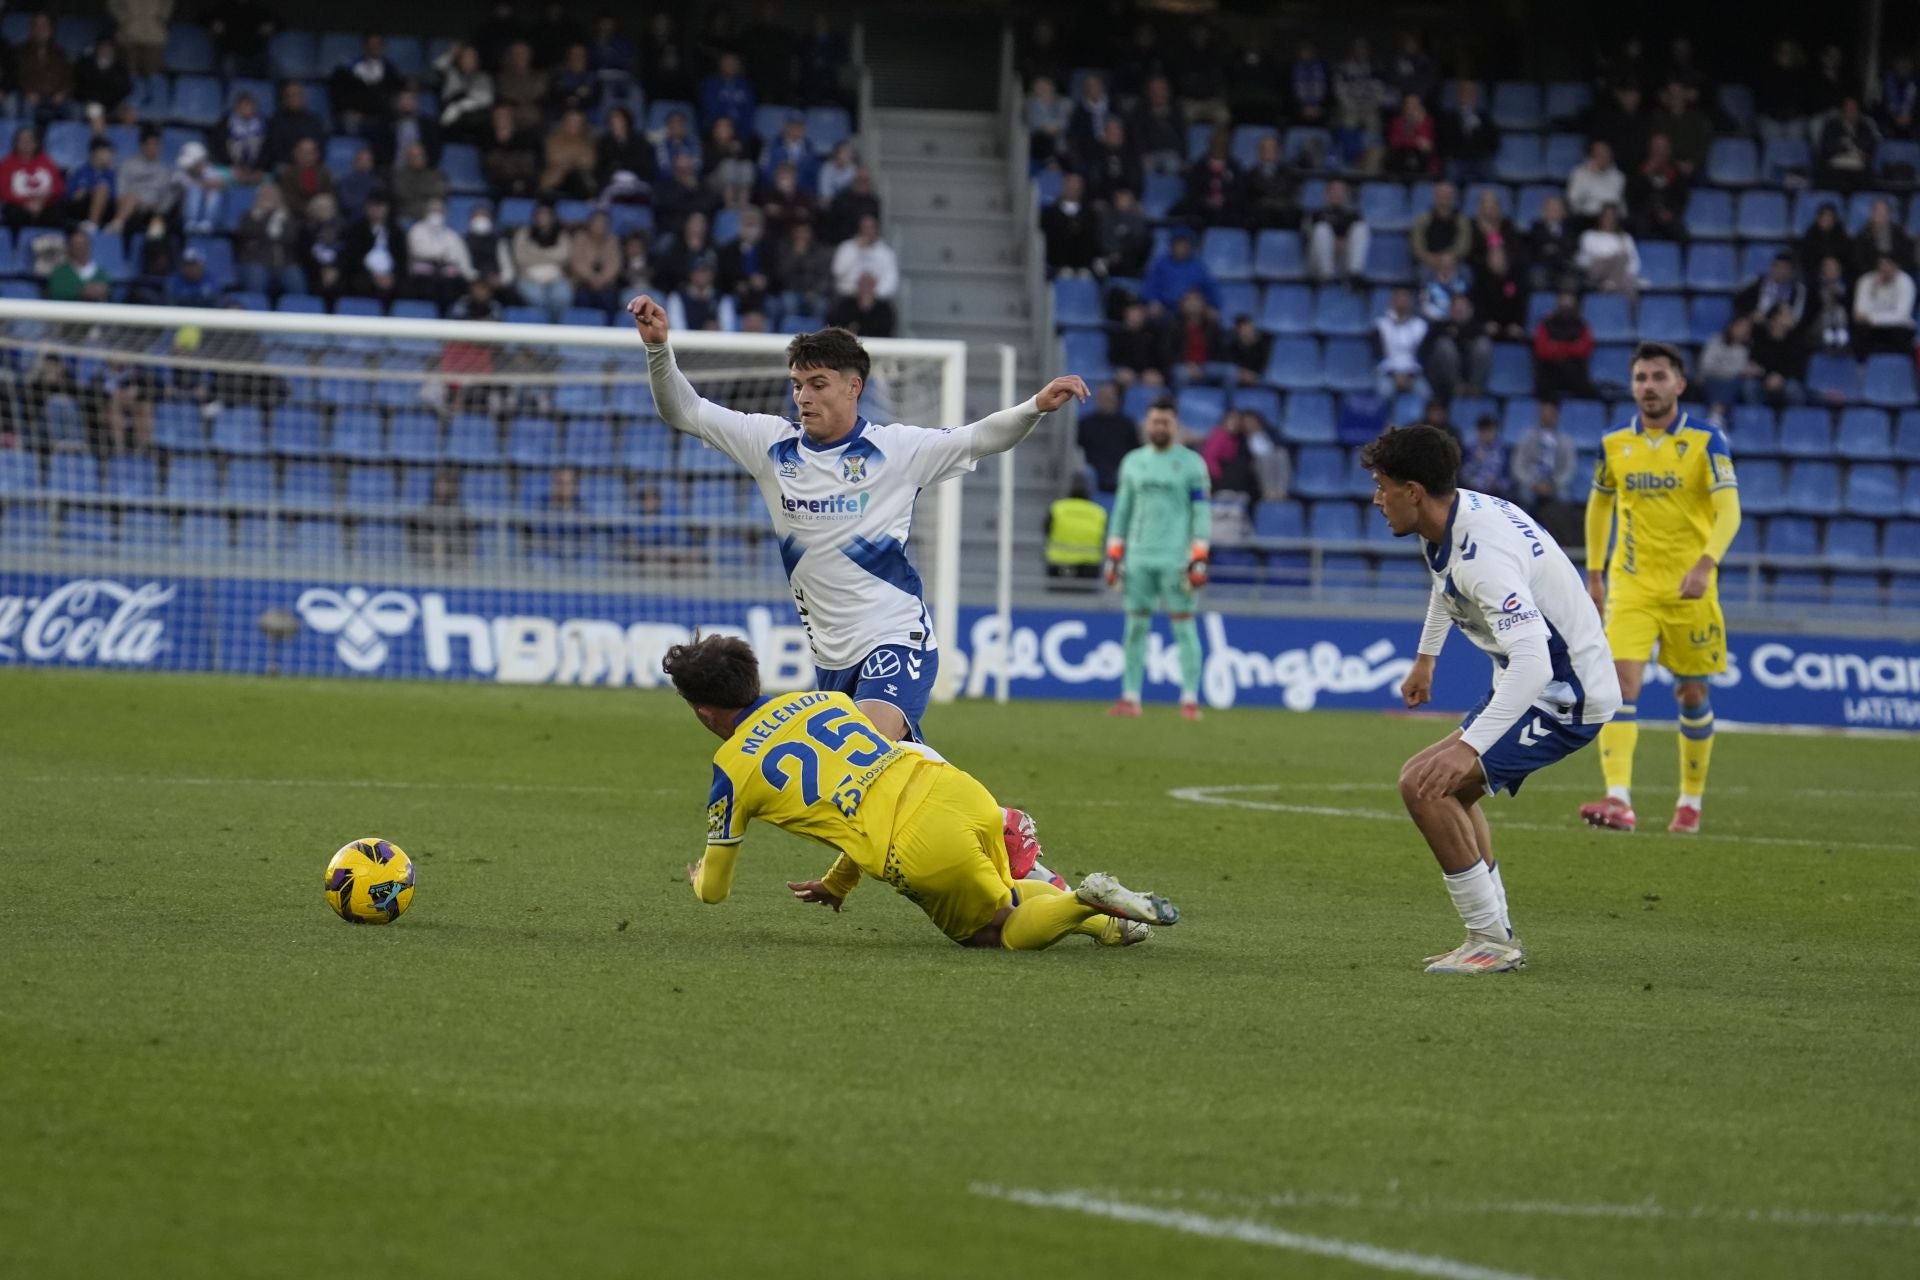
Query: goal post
{"x": 331, "y": 495}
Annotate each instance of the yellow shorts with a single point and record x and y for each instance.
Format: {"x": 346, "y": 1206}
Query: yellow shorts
{"x": 1692, "y": 634}
{"x": 949, "y": 853}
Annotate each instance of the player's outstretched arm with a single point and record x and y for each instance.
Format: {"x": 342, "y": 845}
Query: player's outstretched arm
{"x": 742, "y": 437}
{"x": 712, "y": 876}
{"x": 999, "y": 432}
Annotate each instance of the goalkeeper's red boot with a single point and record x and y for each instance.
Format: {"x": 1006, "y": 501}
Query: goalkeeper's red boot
{"x": 1686, "y": 820}
{"x": 1023, "y": 849}
{"x": 1125, "y": 708}
{"x": 1612, "y": 813}
{"x": 1189, "y": 711}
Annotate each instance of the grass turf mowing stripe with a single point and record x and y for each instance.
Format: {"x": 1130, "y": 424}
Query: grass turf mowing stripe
{"x": 1247, "y": 1231}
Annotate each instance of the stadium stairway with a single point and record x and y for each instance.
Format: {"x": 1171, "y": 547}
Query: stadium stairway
{"x": 944, "y": 182}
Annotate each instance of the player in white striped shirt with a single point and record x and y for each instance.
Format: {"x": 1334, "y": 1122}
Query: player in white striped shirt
{"x": 1505, "y": 583}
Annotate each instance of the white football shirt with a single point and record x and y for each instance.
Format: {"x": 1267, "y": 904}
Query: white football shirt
{"x": 1498, "y": 576}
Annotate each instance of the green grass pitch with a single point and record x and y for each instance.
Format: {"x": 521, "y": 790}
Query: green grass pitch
{"x": 559, "y": 1064}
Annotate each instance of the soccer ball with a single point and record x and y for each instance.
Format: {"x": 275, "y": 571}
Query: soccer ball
{"x": 370, "y": 881}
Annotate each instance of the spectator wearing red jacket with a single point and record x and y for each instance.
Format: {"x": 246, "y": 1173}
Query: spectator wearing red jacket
{"x": 30, "y": 184}
{"x": 1410, "y": 141}
{"x": 1562, "y": 347}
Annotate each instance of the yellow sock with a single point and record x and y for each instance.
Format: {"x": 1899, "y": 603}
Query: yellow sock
{"x": 1696, "y": 749}
{"x": 1618, "y": 737}
{"x": 1044, "y": 918}
{"x": 1094, "y": 926}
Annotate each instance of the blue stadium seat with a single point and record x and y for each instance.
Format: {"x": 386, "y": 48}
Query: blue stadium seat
{"x": 292, "y": 55}
{"x": 1288, "y": 309}
{"x": 648, "y": 447}
{"x": 1294, "y": 364}
{"x": 372, "y": 488}
{"x": 1309, "y": 418}
{"x": 1712, "y": 267}
{"x": 1159, "y": 193}
{"x": 316, "y": 540}
{"x": 1762, "y": 216}
{"x": 301, "y": 304}
{"x": 132, "y": 475}
{"x": 602, "y": 493}
{"x": 1853, "y": 539}
{"x": 1910, "y": 499}
{"x": 296, "y": 433}
{"x": 1340, "y": 312}
{"x": 1517, "y": 106}
{"x": 1238, "y": 298}
{"x": 1584, "y": 422}
{"x": 1865, "y": 435}
{"x": 828, "y": 127}
{"x": 197, "y": 100}
{"x": 66, "y": 142}
{"x": 247, "y": 480}
{"x": 1227, "y": 252}
{"x": 1389, "y": 260}
{"x": 1889, "y": 381}
{"x": 485, "y": 490}
{"x": 85, "y": 531}
{"x": 1756, "y": 256}
{"x": 1567, "y": 101}
{"x": 19, "y": 471}
{"x": 1763, "y": 489}
{"x": 1813, "y": 488}
{"x": 203, "y": 531}
{"x": 473, "y": 438}
{"x": 1861, "y": 203}
{"x": 589, "y": 443}
{"x": 1280, "y": 520}
{"x": 1806, "y": 431}
{"x": 1710, "y": 215}
{"x": 1518, "y": 158}
{"x": 1519, "y": 417}
{"x": 307, "y": 484}
{"x": 1781, "y": 157}
{"x": 1792, "y": 536}
{"x": 1531, "y": 200}
{"x": 1384, "y": 206}
{"x": 1663, "y": 318}
{"x": 1349, "y": 365}
{"x": 1900, "y": 540}
{"x": 414, "y": 437}
{"x": 189, "y": 49}
{"x": 1512, "y": 372}
{"x": 1320, "y": 472}
{"x": 177, "y": 425}
{"x": 1334, "y": 522}
{"x": 1563, "y": 153}
{"x": 1611, "y": 367}
{"x": 240, "y": 429}
{"x": 1085, "y": 353}
{"x": 1708, "y": 314}
{"x": 1262, "y": 401}
{"x": 1732, "y": 162}
{"x": 338, "y": 48}
{"x": 407, "y": 54}
{"x": 1245, "y": 143}
{"x": 1138, "y": 400}
{"x": 1660, "y": 265}
{"x": 1833, "y": 375}
{"x": 1278, "y": 256}
{"x": 357, "y": 434}
{"x": 1609, "y": 316}
{"x": 1906, "y": 436}
{"x": 1076, "y": 301}
{"x": 1897, "y": 152}
{"x": 1754, "y": 431}
{"x": 1201, "y": 407}
{"x": 1873, "y": 489}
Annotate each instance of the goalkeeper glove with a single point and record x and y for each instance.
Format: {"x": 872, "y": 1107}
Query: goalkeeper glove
{"x": 1197, "y": 566}
{"x": 1115, "y": 550}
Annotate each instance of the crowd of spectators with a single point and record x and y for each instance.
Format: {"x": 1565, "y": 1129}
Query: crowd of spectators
{"x": 1143, "y": 135}
{"x": 513, "y": 169}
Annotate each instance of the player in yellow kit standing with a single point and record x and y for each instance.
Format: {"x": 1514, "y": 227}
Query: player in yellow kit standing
{"x": 1665, "y": 490}
{"x": 812, "y": 764}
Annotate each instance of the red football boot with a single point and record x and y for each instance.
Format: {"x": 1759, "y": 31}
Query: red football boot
{"x": 1686, "y": 820}
{"x": 1189, "y": 711}
{"x": 1611, "y": 813}
{"x": 1023, "y": 848}
{"x": 1125, "y": 708}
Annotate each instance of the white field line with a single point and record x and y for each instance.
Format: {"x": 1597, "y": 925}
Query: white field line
{"x": 1246, "y": 1231}
{"x": 1647, "y": 1210}
{"x": 343, "y": 784}
{"x": 1232, "y": 797}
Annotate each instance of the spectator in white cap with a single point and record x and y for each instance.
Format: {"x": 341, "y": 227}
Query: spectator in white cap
{"x": 202, "y": 188}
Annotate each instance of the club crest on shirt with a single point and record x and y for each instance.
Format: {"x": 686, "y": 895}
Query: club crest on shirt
{"x": 1680, "y": 448}
{"x": 853, "y": 469}
{"x": 1511, "y": 604}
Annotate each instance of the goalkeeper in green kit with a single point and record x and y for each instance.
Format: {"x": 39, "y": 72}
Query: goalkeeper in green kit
{"x": 1157, "y": 545}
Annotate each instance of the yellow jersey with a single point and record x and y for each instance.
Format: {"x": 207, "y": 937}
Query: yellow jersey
{"x": 812, "y": 764}
{"x": 1662, "y": 485}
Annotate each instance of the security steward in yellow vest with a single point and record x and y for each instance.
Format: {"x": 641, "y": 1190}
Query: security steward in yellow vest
{"x": 1076, "y": 534}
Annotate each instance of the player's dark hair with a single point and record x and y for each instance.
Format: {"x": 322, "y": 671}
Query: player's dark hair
{"x": 714, "y": 671}
{"x": 1163, "y": 402}
{"x": 1422, "y": 454}
{"x": 1660, "y": 351}
{"x": 835, "y": 349}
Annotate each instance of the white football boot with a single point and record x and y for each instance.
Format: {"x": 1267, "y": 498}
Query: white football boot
{"x": 1481, "y": 953}
{"x": 1104, "y": 893}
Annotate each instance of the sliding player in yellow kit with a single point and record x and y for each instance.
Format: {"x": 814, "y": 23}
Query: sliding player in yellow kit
{"x": 1665, "y": 491}
{"x": 813, "y": 764}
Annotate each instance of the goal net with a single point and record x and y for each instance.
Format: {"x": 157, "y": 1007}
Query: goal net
{"x": 236, "y": 491}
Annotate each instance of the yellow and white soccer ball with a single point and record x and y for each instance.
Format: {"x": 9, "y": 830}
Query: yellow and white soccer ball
{"x": 370, "y": 881}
